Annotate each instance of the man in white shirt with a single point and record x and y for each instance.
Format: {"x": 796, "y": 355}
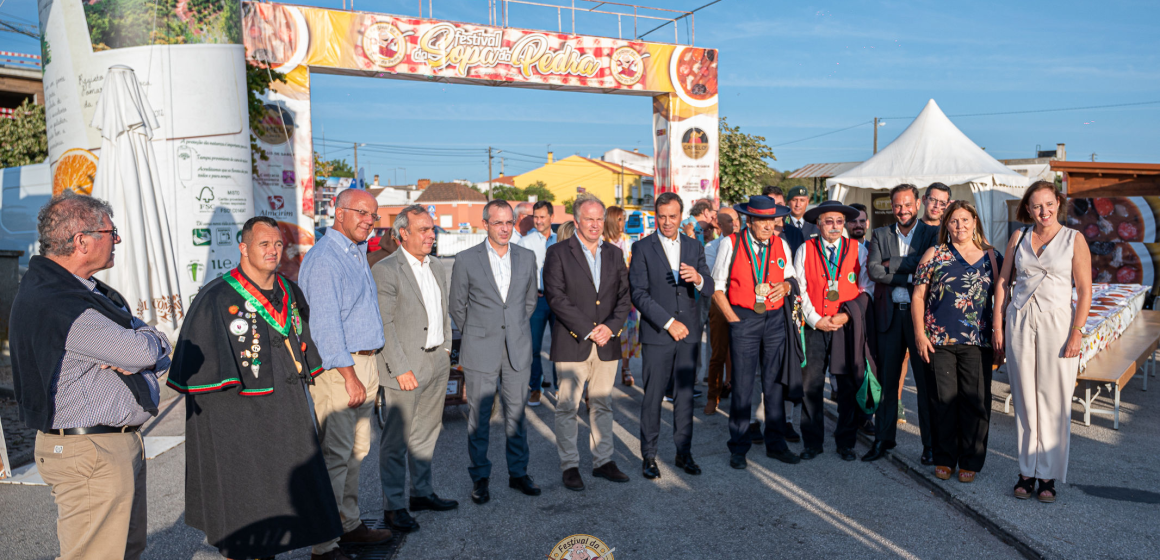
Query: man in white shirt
{"x": 412, "y": 293}
{"x": 493, "y": 294}
{"x": 752, "y": 276}
{"x": 831, "y": 274}
{"x": 538, "y": 240}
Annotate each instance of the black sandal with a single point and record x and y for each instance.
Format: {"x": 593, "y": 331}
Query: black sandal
{"x": 1027, "y": 485}
{"x": 1046, "y": 486}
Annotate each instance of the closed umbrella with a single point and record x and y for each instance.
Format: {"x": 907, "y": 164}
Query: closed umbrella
{"x": 146, "y": 271}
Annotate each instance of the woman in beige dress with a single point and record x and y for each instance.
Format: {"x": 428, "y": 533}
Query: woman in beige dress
{"x": 1040, "y": 332}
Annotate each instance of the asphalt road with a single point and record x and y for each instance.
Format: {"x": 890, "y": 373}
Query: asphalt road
{"x": 824, "y": 507}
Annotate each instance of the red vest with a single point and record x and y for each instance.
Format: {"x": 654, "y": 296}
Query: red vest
{"x": 741, "y": 285}
{"x": 814, "y": 271}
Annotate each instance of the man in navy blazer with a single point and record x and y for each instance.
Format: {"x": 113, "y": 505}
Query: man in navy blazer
{"x": 666, "y": 272}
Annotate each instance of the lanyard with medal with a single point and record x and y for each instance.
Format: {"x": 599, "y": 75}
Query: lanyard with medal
{"x": 761, "y": 289}
{"x": 832, "y": 269}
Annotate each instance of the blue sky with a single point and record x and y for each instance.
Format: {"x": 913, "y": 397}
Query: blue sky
{"x": 788, "y": 71}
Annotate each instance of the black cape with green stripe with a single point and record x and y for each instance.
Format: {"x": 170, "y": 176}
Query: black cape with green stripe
{"x": 255, "y": 479}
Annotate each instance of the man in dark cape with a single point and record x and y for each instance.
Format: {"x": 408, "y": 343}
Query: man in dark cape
{"x": 255, "y": 479}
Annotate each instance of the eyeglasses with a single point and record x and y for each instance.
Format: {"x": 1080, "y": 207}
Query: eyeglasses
{"x": 362, "y": 213}
{"x": 937, "y": 203}
{"x": 112, "y": 231}
{"x": 833, "y": 223}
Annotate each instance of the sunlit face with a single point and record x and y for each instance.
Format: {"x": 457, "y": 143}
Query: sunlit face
{"x": 542, "y": 221}
{"x": 668, "y": 219}
{"x": 935, "y": 203}
{"x": 832, "y": 225}
{"x": 499, "y": 225}
{"x": 1043, "y": 207}
{"x": 262, "y": 248}
{"x": 101, "y": 244}
{"x": 590, "y": 222}
{"x": 761, "y": 228}
{"x": 905, "y": 207}
{"x": 419, "y": 235}
{"x": 961, "y": 226}
{"x": 358, "y": 217}
{"x": 798, "y": 205}
{"x": 857, "y": 228}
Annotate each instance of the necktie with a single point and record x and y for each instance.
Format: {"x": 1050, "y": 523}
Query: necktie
{"x": 831, "y": 256}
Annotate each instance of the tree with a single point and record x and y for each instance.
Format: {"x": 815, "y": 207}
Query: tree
{"x": 539, "y": 189}
{"x": 332, "y": 168}
{"x": 258, "y": 80}
{"x": 742, "y": 161}
{"x": 23, "y": 139}
{"x": 568, "y": 205}
{"x": 504, "y": 192}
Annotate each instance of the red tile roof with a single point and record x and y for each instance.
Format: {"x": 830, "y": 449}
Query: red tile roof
{"x": 450, "y": 192}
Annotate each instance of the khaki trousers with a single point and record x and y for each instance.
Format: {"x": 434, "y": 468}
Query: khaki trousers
{"x": 1042, "y": 383}
{"x": 572, "y": 376}
{"x": 98, "y": 483}
{"x": 345, "y": 435}
{"x": 720, "y": 364}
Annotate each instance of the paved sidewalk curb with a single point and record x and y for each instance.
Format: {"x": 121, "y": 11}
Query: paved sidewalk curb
{"x": 921, "y": 474}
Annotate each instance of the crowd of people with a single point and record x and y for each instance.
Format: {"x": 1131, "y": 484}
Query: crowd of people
{"x": 769, "y": 296}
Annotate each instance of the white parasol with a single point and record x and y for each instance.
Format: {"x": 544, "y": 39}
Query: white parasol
{"x": 146, "y": 271}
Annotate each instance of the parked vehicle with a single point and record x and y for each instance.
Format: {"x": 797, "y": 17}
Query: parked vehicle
{"x": 639, "y": 223}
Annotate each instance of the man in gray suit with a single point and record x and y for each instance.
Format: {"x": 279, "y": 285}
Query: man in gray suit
{"x": 412, "y": 289}
{"x": 495, "y": 284}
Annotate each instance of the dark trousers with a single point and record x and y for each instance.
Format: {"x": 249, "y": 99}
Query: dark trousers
{"x": 962, "y": 405}
{"x": 480, "y": 389}
{"x": 756, "y": 340}
{"x": 892, "y": 346}
{"x": 814, "y": 383}
{"x": 662, "y": 364}
{"x": 720, "y": 363}
{"x": 541, "y": 318}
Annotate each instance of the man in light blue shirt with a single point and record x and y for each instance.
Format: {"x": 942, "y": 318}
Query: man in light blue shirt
{"x": 347, "y": 328}
{"x": 538, "y": 240}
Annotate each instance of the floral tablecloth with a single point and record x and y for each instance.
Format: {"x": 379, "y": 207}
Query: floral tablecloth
{"x": 1114, "y": 307}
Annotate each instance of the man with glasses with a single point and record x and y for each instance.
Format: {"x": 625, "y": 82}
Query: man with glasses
{"x": 934, "y": 203}
{"x": 832, "y": 276}
{"x": 894, "y": 254}
{"x": 346, "y": 327}
{"x": 85, "y": 372}
{"x": 494, "y": 284}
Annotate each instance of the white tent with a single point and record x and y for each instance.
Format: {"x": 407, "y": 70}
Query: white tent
{"x": 933, "y": 150}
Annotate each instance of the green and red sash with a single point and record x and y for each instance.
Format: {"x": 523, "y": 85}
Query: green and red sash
{"x": 279, "y": 320}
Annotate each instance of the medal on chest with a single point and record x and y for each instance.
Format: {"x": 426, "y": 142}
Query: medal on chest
{"x": 762, "y": 291}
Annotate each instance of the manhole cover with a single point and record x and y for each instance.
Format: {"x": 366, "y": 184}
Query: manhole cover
{"x": 384, "y": 551}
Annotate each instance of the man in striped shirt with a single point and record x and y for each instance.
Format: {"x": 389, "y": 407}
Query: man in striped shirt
{"x": 85, "y": 372}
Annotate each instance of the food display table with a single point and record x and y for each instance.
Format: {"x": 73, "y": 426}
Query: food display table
{"x": 1114, "y": 306}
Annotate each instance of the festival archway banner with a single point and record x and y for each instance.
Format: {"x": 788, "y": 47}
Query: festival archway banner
{"x": 299, "y": 41}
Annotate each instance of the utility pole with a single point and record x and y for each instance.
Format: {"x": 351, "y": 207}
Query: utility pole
{"x": 356, "y": 160}
{"x": 501, "y": 162}
{"x": 489, "y": 172}
{"x": 875, "y": 134}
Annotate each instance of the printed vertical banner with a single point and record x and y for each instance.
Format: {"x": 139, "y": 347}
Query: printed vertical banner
{"x": 190, "y": 66}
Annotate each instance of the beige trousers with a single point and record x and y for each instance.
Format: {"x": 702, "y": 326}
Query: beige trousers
{"x": 572, "y": 376}
{"x": 1042, "y": 383}
{"x": 345, "y": 435}
{"x": 98, "y": 483}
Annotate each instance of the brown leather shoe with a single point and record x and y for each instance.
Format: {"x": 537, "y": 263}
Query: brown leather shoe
{"x": 572, "y": 480}
{"x": 364, "y": 535}
{"x": 610, "y": 472}
{"x": 335, "y": 554}
{"x": 711, "y": 406}
{"x": 534, "y": 398}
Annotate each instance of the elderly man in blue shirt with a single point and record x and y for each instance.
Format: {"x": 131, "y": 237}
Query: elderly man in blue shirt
{"x": 346, "y": 325}
{"x": 538, "y": 240}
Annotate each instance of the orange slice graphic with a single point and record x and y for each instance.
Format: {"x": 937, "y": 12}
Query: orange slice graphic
{"x": 74, "y": 171}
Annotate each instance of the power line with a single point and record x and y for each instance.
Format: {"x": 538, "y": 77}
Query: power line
{"x": 864, "y": 123}
{"x": 674, "y": 22}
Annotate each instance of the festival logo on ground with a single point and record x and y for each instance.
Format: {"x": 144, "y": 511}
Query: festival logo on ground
{"x": 581, "y": 547}
{"x": 695, "y": 143}
{"x": 627, "y": 66}
{"x": 385, "y": 45}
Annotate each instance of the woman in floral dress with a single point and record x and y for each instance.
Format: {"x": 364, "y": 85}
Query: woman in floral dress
{"x": 953, "y": 287}
{"x": 614, "y": 219}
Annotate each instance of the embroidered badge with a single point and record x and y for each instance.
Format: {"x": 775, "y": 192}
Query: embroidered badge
{"x": 233, "y": 309}
{"x": 238, "y": 326}
{"x": 850, "y": 277}
{"x": 781, "y": 263}
{"x": 241, "y": 339}
{"x": 250, "y": 307}
{"x": 58, "y": 449}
